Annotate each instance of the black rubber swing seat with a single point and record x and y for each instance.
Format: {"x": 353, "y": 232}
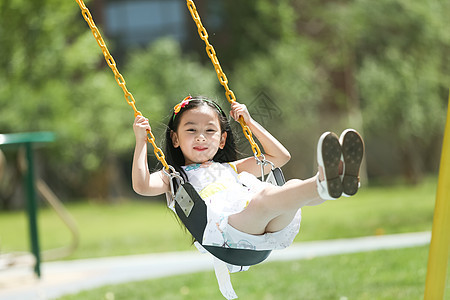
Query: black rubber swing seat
{"x": 191, "y": 209}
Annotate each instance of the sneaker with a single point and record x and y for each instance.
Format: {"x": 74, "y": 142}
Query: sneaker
{"x": 328, "y": 157}
{"x": 352, "y": 155}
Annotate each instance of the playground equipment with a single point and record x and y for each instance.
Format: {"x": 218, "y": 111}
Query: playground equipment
{"x": 189, "y": 206}
{"x": 26, "y": 165}
{"x": 440, "y": 236}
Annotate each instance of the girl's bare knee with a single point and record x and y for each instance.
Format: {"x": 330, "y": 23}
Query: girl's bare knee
{"x": 263, "y": 200}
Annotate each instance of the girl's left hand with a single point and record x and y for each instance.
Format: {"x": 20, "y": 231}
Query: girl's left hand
{"x": 239, "y": 110}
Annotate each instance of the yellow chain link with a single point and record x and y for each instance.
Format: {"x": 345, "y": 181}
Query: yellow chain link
{"x": 129, "y": 97}
{"x": 119, "y": 78}
{"x": 220, "y": 74}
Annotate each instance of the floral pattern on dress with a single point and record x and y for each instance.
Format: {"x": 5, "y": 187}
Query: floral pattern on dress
{"x": 225, "y": 193}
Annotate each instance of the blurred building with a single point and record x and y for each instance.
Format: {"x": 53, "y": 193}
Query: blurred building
{"x": 137, "y": 23}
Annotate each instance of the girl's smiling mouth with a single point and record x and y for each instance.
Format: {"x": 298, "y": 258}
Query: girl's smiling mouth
{"x": 200, "y": 148}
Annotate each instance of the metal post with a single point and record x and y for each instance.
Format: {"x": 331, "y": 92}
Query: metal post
{"x": 440, "y": 238}
{"x": 32, "y": 208}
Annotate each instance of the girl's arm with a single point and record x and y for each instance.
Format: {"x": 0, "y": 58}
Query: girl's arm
{"x": 274, "y": 151}
{"x": 144, "y": 183}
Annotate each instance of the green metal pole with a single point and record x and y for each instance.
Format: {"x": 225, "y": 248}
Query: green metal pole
{"x": 32, "y": 208}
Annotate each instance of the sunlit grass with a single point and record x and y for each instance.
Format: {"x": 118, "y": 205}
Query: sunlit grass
{"x": 389, "y": 274}
{"x": 133, "y": 227}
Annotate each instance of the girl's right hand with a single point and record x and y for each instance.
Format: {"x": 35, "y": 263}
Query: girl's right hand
{"x": 240, "y": 110}
{"x": 140, "y": 127}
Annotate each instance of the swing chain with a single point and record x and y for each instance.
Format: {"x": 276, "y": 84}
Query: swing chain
{"x": 129, "y": 97}
{"x": 220, "y": 74}
{"x": 119, "y": 78}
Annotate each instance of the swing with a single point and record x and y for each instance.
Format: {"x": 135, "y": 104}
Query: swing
{"x": 191, "y": 210}
{"x": 189, "y": 206}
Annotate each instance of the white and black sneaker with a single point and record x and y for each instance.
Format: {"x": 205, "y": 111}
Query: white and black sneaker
{"x": 329, "y": 155}
{"x": 352, "y": 154}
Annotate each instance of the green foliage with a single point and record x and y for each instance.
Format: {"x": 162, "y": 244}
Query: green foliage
{"x": 403, "y": 75}
{"x": 289, "y": 77}
{"x": 402, "y": 93}
{"x": 293, "y": 85}
{"x": 319, "y": 62}
{"x": 256, "y": 26}
{"x": 383, "y": 65}
{"x": 162, "y": 76}
{"x": 403, "y": 72}
{"x": 51, "y": 80}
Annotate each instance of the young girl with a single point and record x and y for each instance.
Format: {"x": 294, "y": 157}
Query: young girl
{"x": 242, "y": 211}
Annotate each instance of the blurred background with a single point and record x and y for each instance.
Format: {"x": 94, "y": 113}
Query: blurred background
{"x": 302, "y": 67}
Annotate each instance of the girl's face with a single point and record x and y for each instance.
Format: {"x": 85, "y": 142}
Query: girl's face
{"x": 199, "y": 135}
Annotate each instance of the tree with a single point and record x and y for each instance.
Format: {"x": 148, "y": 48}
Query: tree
{"x": 381, "y": 64}
{"x": 403, "y": 77}
{"x": 54, "y": 78}
{"x": 283, "y": 93}
{"x": 251, "y": 28}
{"x": 50, "y": 81}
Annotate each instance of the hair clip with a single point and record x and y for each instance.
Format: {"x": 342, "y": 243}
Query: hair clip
{"x": 179, "y": 106}
{"x": 185, "y": 101}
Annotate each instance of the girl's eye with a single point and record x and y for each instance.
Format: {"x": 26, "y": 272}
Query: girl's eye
{"x": 190, "y": 130}
{"x": 211, "y": 130}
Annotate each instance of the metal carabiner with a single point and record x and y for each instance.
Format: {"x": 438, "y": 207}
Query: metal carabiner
{"x": 262, "y": 162}
{"x": 172, "y": 175}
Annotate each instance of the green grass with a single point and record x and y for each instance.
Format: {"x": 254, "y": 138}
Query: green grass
{"x": 376, "y": 210}
{"x": 134, "y": 227}
{"x": 105, "y": 230}
{"x": 395, "y": 274}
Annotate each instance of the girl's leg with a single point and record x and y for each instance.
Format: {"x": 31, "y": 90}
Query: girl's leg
{"x": 280, "y": 222}
{"x": 273, "y": 208}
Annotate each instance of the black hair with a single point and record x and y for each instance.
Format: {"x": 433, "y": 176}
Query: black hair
{"x": 175, "y": 157}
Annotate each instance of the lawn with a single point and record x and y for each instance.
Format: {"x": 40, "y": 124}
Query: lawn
{"x": 134, "y": 227}
{"x": 382, "y": 275}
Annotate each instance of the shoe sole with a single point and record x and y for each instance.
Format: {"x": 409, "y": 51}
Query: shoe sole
{"x": 352, "y": 152}
{"x": 329, "y": 157}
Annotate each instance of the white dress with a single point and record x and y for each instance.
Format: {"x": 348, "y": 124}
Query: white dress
{"x": 225, "y": 193}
